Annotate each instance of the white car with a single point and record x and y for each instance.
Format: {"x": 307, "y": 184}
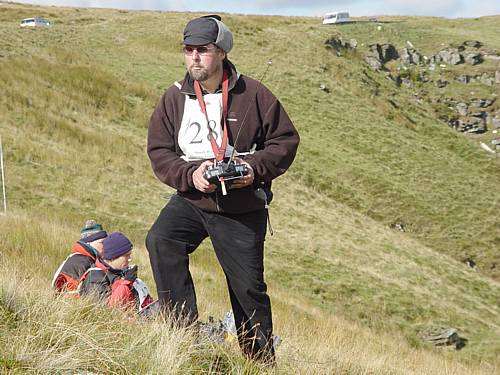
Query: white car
{"x": 32, "y": 22}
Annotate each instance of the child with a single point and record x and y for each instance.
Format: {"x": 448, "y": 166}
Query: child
{"x": 111, "y": 278}
{"x": 85, "y": 252}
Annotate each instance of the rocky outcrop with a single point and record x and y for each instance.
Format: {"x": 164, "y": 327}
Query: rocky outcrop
{"x": 482, "y": 103}
{"x": 462, "y": 109}
{"x": 473, "y": 58}
{"x": 440, "y": 83}
{"x": 474, "y": 116}
{"x": 469, "y": 125}
{"x": 443, "y": 336}
{"x": 472, "y": 43}
{"x": 469, "y": 52}
{"x": 339, "y": 44}
{"x": 379, "y": 54}
{"x": 496, "y": 144}
{"x": 449, "y": 56}
{"x": 485, "y": 78}
{"x": 410, "y": 56}
{"x": 495, "y": 121}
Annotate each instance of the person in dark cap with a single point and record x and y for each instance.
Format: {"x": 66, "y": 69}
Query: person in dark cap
{"x": 219, "y": 138}
{"x": 84, "y": 254}
{"x": 111, "y": 278}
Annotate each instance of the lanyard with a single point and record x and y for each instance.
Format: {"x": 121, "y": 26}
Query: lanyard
{"x": 218, "y": 152}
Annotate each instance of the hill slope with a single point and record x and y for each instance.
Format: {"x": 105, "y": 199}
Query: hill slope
{"x": 73, "y": 116}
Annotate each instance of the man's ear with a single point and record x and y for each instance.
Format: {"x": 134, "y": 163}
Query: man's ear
{"x": 223, "y": 53}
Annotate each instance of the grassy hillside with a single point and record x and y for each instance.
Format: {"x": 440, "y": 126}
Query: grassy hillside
{"x": 350, "y": 294}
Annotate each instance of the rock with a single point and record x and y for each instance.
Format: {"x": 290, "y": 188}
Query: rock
{"x": 335, "y": 43}
{"x": 472, "y": 43}
{"x": 441, "y": 336}
{"x": 407, "y": 82}
{"x": 388, "y": 52}
{"x": 487, "y": 80}
{"x": 373, "y": 62}
{"x": 440, "y": 83}
{"x": 455, "y": 124}
{"x": 497, "y": 77}
{"x": 324, "y": 88}
{"x": 482, "y": 103}
{"x": 491, "y": 52}
{"x": 449, "y": 56}
{"x": 462, "y": 109}
{"x": 495, "y": 122}
{"x": 481, "y": 114}
{"x": 473, "y": 58}
{"x": 405, "y": 56}
{"x": 470, "y": 262}
{"x": 383, "y": 52}
{"x": 463, "y": 78}
{"x": 339, "y": 44}
{"x": 474, "y": 125}
{"x": 410, "y": 56}
{"x": 416, "y": 56}
{"x": 491, "y": 57}
{"x": 400, "y": 226}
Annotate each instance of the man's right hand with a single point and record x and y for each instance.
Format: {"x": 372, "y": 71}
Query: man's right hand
{"x": 200, "y": 183}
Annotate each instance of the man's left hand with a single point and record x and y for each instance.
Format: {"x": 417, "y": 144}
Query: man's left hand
{"x": 243, "y": 181}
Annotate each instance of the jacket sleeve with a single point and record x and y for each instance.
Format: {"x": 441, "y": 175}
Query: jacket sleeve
{"x": 162, "y": 147}
{"x": 121, "y": 294}
{"x": 280, "y": 140}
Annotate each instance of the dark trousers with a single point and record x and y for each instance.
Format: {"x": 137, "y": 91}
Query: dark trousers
{"x": 238, "y": 241}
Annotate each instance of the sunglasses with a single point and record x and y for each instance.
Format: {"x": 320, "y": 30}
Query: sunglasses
{"x": 202, "y": 50}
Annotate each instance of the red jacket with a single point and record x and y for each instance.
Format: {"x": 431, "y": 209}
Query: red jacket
{"x": 109, "y": 285}
{"x": 67, "y": 276}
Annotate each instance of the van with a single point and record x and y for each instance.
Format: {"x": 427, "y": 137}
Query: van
{"x": 32, "y": 22}
{"x": 336, "y": 17}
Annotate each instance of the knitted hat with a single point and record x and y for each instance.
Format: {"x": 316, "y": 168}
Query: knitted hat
{"x": 115, "y": 245}
{"x": 208, "y": 29}
{"x": 92, "y": 231}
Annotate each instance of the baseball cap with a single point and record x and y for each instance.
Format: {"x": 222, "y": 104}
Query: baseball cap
{"x": 208, "y": 29}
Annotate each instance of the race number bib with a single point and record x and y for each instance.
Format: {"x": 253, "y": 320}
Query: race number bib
{"x": 194, "y": 138}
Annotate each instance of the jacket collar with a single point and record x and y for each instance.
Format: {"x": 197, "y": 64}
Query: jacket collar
{"x": 101, "y": 263}
{"x": 187, "y": 87}
{"x": 85, "y": 249}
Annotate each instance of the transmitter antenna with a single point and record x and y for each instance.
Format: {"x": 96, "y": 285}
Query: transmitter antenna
{"x": 269, "y": 63}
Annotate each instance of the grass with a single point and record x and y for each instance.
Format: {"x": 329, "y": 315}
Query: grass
{"x": 48, "y": 334}
{"x": 349, "y": 293}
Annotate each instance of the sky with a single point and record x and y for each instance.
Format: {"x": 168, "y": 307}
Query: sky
{"x": 442, "y": 8}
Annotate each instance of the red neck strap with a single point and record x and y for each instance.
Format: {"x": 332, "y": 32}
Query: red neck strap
{"x": 219, "y": 152}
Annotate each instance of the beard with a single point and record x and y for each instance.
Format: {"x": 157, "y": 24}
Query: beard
{"x": 198, "y": 74}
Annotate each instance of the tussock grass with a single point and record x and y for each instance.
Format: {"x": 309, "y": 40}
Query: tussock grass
{"x": 50, "y": 334}
{"x": 350, "y": 294}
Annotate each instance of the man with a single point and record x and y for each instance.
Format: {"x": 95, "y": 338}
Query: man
{"x": 85, "y": 252}
{"x": 213, "y": 115}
